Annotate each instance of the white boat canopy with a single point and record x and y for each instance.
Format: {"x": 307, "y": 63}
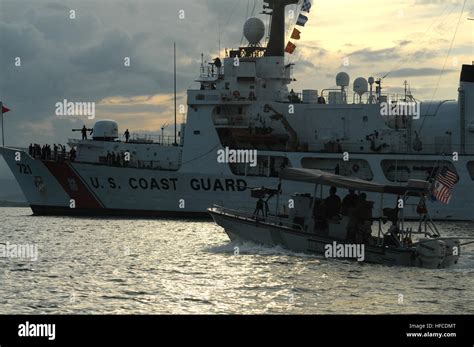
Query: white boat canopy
{"x": 413, "y": 187}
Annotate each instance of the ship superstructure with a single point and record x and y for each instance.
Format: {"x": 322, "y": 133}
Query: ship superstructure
{"x": 244, "y": 102}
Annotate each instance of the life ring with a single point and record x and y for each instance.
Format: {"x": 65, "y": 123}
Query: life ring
{"x": 355, "y": 168}
{"x": 236, "y": 94}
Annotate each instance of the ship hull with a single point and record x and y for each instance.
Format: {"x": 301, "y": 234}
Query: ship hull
{"x": 81, "y": 189}
{"x": 39, "y": 210}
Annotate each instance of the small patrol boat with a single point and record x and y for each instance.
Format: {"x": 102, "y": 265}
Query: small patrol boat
{"x": 306, "y": 226}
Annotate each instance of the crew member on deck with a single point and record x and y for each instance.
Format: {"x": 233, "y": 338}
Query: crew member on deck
{"x": 72, "y": 154}
{"x": 332, "y": 203}
{"x": 349, "y": 203}
{"x": 127, "y": 135}
{"x": 260, "y": 208}
{"x": 84, "y": 132}
{"x": 55, "y": 152}
{"x": 359, "y": 226}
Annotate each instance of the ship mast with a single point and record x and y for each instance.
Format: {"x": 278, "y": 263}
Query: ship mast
{"x": 276, "y": 42}
{"x": 174, "y": 66}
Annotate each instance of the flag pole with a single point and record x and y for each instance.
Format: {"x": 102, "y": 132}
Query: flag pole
{"x": 3, "y": 132}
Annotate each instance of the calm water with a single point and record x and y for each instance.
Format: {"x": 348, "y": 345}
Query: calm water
{"x": 123, "y": 266}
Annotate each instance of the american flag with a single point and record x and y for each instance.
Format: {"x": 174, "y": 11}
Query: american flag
{"x": 306, "y": 6}
{"x": 443, "y": 185}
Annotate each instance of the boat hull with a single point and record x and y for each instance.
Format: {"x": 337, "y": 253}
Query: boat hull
{"x": 261, "y": 232}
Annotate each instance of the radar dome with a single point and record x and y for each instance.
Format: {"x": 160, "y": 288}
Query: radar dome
{"x": 254, "y": 30}
{"x": 342, "y": 79}
{"x": 361, "y": 86}
{"x": 371, "y": 80}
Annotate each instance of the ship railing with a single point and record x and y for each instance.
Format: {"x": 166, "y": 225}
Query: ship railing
{"x": 214, "y": 96}
{"x": 144, "y": 165}
{"x": 351, "y": 98}
{"x": 445, "y": 148}
{"x": 59, "y": 157}
{"x": 350, "y": 147}
{"x": 155, "y": 139}
{"x": 247, "y": 214}
{"x": 141, "y": 138}
{"x": 230, "y": 120}
{"x": 441, "y": 149}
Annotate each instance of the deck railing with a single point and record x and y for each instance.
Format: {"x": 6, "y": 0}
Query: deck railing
{"x": 258, "y": 218}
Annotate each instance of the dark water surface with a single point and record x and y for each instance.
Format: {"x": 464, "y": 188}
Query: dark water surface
{"x": 121, "y": 266}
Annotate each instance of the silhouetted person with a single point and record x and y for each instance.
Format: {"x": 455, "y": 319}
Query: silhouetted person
{"x": 72, "y": 154}
{"x": 127, "y": 135}
{"x": 260, "y": 208}
{"x": 358, "y": 226}
{"x": 332, "y": 203}
{"x": 48, "y": 152}
{"x": 84, "y": 132}
{"x": 55, "y": 152}
{"x": 349, "y": 202}
{"x": 391, "y": 214}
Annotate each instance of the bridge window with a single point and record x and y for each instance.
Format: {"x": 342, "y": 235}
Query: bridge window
{"x": 358, "y": 168}
{"x": 403, "y": 170}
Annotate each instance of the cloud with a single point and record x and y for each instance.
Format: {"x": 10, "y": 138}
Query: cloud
{"x": 82, "y": 59}
{"x": 54, "y": 22}
{"x": 369, "y": 54}
{"x": 404, "y": 42}
{"x": 413, "y": 72}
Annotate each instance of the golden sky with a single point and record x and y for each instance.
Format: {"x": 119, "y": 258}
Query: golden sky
{"x": 409, "y": 38}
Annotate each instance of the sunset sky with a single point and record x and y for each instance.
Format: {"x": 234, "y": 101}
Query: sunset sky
{"x": 81, "y": 59}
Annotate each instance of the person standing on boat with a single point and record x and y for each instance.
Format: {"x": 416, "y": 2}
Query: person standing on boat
{"x": 332, "y": 204}
{"x": 349, "y": 203}
{"x": 359, "y": 226}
